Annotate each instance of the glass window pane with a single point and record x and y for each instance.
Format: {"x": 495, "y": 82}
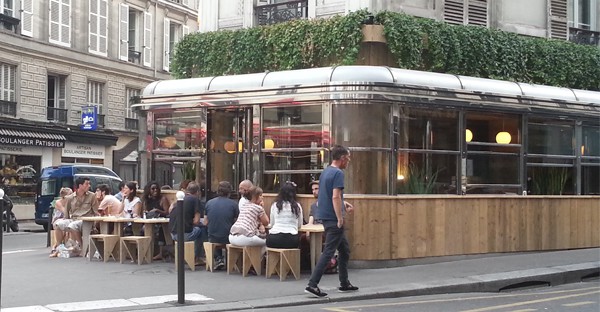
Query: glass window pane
{"x": 368, "y": 173}
{"x": 591, "y": 141}
{"x": 590, "y": 184}
{"x": 550, "y": 180}
{"x": 427, "y": 129}
{"x": 550, "y": 138}
{"x": 492, "y": 169}
{"x": 487, "y": 128}
{"x": 292, "y": 127}
{"x": 179, "y": 131}
{"x": 426, "y": 173}
{"x": 361, "y": 125}
{"x": 273, "y": 181}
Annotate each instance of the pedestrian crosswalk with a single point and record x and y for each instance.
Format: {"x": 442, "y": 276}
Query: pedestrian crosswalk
{"x": 107, "y": 304}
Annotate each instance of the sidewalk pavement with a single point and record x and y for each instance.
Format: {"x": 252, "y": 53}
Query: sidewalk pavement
{"x": 490, "y": 273}
{"x": 481, "y": 273}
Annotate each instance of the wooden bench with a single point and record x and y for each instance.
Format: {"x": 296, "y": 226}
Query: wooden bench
{"x": 209, "y": 250}
{"x": 105, "y": 244}
{"x": 250, "y": 256}
{"x": 283, "y": 262}
{"x": 188, "y": 255}
{"x": 137, "y": 248}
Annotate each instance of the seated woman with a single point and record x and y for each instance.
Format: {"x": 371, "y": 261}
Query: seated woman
{"x": 286, "y": 219}
{"x": 155, "y": 205}
{"x": 249, "y": 228}
{"x": 59, "y": 213}
{"x": 132, "y": 205}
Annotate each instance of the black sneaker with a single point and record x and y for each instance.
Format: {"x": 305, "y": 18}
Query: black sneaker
{"x": 315, "y": 291}
{"x": 348, "y": 287}
{"x": 220, "y": 265}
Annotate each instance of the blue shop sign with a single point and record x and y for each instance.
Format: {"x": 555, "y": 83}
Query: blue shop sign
{"x": 89, "y": 118}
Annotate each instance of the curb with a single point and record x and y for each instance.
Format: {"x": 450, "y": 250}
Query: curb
{"x": 496, "y": 282}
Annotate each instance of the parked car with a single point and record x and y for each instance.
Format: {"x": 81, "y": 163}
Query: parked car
{"x": 52, "y": 179}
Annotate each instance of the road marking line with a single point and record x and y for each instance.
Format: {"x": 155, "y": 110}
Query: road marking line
{"x": 106, "y": 304}
{"x": 576, "y": 304}
{"x": 16, "y": 251}
{"x": 530, "y": 302}
{"x": 524, "y": 310}
{"x": 27, "y": 309}
{"x": 91, "y": 305}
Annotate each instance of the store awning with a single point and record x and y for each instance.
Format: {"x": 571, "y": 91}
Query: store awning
{"x": 32, "y": 134}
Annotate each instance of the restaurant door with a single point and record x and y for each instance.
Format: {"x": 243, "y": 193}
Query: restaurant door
{"x": 229, "y": 156}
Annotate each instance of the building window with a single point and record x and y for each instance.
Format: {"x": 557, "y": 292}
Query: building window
{"x": 173, "y": 33}
{"x": 57, "y": 98}
{"x": 60, "y": 22}
{"x": 7, "y": 15}
{"x": 278, "y": 11}
{"x": 582, "y": 22}
{"x": 98, "y": 20}
{"x": 466, "y": 12}
{"x": 130, "y": 34}
{"x": 96, "y": 97}
{"x": 7, "y": 82}
{"x": 131, "y": 118}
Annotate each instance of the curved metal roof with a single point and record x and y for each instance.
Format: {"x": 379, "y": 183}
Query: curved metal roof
{"x": 360, "y": 74}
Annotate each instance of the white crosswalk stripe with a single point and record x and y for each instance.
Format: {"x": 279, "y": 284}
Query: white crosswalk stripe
{"x": 106, "y": 304}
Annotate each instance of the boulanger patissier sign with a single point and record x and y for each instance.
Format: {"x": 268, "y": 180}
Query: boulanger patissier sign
{"x": 30, "y": 141}
{"x": 77, "y": 150}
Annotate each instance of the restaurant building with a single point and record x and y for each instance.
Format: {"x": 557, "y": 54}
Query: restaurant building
{"x": 487, "y": 153}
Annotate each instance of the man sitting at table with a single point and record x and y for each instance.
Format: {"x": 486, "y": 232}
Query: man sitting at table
{"x": 109, "y": 205}
{"x": 193, "y": 209}
{"x": 82, "y": 203}
{"x": 221, "y": 213}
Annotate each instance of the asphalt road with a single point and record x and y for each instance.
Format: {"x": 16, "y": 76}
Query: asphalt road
{"x": 579, "y": 297}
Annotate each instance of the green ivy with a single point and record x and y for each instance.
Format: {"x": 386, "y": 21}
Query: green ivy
{"x": 415, "y": 43}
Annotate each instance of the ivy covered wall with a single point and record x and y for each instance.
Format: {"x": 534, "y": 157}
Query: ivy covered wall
{"x": 415, "y": 43}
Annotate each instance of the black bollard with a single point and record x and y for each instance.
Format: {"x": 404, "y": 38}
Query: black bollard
{"x": 180, "y": 249}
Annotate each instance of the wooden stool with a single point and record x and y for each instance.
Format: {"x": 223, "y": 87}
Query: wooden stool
{"x": 209, "y": 250}
{"x": 105, "y": 244}
{"x": 188, "y": 255}
{"x": 130, "y": 244}
{"x": 282, "y": 262}
{"x": 251, "y": 257}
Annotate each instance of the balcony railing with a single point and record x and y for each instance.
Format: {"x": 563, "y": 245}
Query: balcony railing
{"x": 57, "y": 114}
{"x": 101, "y": 120}
{"x": 8, "y": 108}
{"x": 131, "y": 124}
{"x": 281, "y": 12}
{"x": 584, "y": 36}
{"x": 134, "y": 57}
{"x": 9, "y": 22}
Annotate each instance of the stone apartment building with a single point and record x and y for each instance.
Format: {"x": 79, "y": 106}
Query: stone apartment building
{"x": 59, "y": 58}
{"x": 575, "y": 20}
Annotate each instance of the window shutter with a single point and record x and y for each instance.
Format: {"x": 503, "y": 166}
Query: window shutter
{"x": 186, "y": 30}
{"x": 124, "y": 32}
{"x": 185, "y": 2}
{"x": 62, "y": 92}
{"x": 93, "y": 22}
{"x": 477, "y": 13}
{"x": 65, "y": 22}
{"x": 54, "y": 21}
{"x": 103, "y": 27}
{"x": 558, "y": 19}
{"x": 147, "y": 39}
{"x": 27, "y": 18}
{"x": 454, "y": 12}
{"x": 166, "y": 46}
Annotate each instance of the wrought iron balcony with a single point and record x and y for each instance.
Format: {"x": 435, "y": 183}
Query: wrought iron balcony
{"x": 57, "y": 114}
{"x": 584, "y": 36}
{"x": 8, "y": 108}
{"x": 134, "y": 57}
{"x": 101, "y": 119}
{"x": 9, "y": 22}
{"x": 281, "y": 12}
{"x": 131, "y": 124}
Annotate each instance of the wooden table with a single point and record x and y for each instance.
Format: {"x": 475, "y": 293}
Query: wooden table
{"x": 315, "y": 232}
{"x": 149, "y": 229}
{"x": 86, "y": 229}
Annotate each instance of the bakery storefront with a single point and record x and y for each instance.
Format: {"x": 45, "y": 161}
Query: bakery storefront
{"x": 22, "y": 155}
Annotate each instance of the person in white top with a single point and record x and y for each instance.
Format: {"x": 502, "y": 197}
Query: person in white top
{"x": 243, "y": 189}
{"x": 286, "y": 219}
{"x": 132, "y": 205}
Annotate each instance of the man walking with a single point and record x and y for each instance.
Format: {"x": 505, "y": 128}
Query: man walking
{"x": 331, "y": 210}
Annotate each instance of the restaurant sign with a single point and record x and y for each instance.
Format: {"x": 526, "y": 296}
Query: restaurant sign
{"x": 9, "y": 140}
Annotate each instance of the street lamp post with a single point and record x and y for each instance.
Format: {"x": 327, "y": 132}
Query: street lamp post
{"x": 1, "y": 237}
{"x": 180, "y": 245}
